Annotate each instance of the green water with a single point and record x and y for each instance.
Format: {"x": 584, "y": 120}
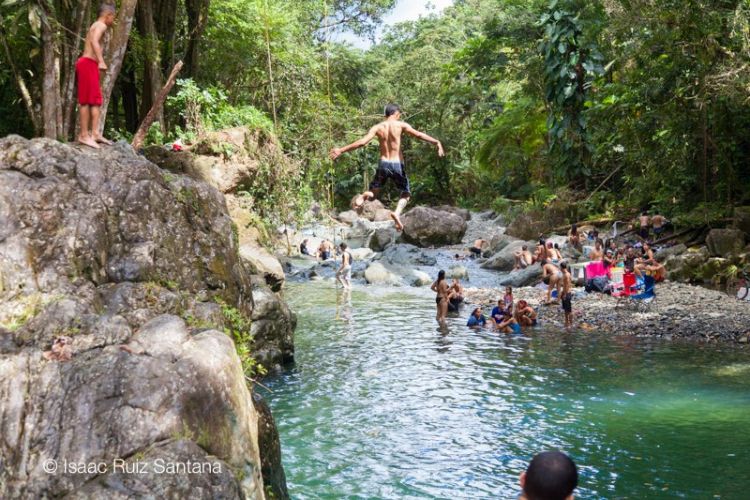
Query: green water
{"x": 382, "y": 404}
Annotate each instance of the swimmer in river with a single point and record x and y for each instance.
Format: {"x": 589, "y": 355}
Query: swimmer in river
{"x": 391, "y": 165}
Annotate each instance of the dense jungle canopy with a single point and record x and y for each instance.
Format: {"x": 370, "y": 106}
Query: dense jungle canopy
{"x": 612, "y": 105}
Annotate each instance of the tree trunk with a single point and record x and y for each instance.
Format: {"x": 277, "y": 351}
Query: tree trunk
{"x": 140, "y": 135}
{"x": 118, "y": 45}
{"x": 197, "y": 14}
{"x": 152, "y": 53}
{"x": 166, "y": 22}
{"x": 129, "y": 99}
{"x": 74, "y": 44}
{"x": 23, "y": 89}
{"x": 50, "y": 90}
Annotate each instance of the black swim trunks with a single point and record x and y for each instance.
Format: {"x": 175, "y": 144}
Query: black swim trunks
{"x": 393, "y": 170}
{"x": 567, "y": 304}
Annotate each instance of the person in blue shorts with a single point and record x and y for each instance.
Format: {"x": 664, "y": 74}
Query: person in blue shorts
{"x": 391, "y": 165}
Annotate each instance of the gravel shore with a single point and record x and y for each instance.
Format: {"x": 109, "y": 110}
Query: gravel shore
{"x": 679, "y": 311}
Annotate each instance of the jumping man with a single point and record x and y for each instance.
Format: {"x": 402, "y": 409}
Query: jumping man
{"x": 87, "y": 72}
{"x": 391, "y": 165}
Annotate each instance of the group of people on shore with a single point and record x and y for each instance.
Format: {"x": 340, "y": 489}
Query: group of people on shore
{"x": 508, "y": 316}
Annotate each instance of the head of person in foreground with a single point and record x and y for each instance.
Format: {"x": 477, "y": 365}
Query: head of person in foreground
{"x": 551, "y": 475}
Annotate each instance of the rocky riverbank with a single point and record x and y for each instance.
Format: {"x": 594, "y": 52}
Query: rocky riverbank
{"x": 680, "y": 311}
{"x": 129, "y": 323}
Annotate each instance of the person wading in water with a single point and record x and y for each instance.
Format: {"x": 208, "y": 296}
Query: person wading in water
{"x": 391, "y": 165}
{"x": 444, "y": 293}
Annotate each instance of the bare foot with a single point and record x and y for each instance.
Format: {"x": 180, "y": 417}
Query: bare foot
{"x": 358, "y": 202}
{"x": 102, "y": 140}
{"x": 397, "y": 220}
{"x": 88, "y": 141}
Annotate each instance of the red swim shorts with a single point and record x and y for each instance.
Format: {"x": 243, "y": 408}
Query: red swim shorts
{"x": 89, "y": 92}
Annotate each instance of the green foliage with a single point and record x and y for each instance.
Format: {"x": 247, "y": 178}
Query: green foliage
{"x": 237, "y": 326}
{"x": 571, "y": 61}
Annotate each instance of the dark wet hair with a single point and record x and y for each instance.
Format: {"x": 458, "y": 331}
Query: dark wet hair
{"x": 105, "y": 8}
{"x": 574, "y": 228}
{"x": 342, "y": 246}
{"x": 524, "y": 247}
{"x": 551, "y": 475}
{"x": 543, "y": 262}
{"x": 542, "y": 241}
{"x": 557, "y": 246}
{"x": 391, "y": 109}
{"x": 476, "y": 309}
{"x": 563, "y": 265}
{"x": 441, "y": 275}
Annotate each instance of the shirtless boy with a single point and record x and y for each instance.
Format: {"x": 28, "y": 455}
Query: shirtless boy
{"x": 87, "y": 73}
{"x": 567, "y": 294}
{"x": 523, "y": 258}
{"x": 391, "y": 165}
{"x": 551, "y": 277}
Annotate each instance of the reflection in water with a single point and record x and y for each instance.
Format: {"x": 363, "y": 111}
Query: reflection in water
{"x": 382, "y": 404}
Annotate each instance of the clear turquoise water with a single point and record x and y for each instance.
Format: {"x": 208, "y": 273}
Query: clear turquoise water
{"x": 382, "y": 404}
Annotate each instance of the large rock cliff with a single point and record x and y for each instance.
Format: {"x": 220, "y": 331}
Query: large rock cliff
{"x": 121, "y": 291}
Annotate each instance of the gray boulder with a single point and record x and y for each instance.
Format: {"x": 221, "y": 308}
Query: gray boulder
{"x": 372, "y": 209}
{"x": 725, "y": 242}
{"x": 664, "y": 253}
{"x": 348, "y": 217}
{"x": 380, "y": 238}
{"x": 458, "y": 272}
{"x": 504, "y": 260}
{"x": 259, "y": 261}
{"x": 500, "y": 241}
{"x": 420, "y": 278}
{"x": 406, "y": 255}
{"x": 141, "y": 269}
{"x": 461, "y": 212}
{"x": 523, "y": 277}
{"x": 427, "y": 227}
{"x": 377, "y": 274}
{"x": 687, "y": 266}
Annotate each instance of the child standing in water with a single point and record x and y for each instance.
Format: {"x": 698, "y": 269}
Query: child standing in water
{"x": 87, "y": 73}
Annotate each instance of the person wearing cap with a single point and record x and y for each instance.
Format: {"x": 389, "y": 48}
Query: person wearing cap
{"x": 551, "y": 475}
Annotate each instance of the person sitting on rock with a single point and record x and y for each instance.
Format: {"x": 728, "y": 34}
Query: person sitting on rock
{"x": 525, "y": 314}
{"x": 457, "y": 295}
{"x": 551, "y": 475}
{"x": 523, "y": 258}
{"x": 303, "y": 250}
{"x": 478, "y": 247}
{"x": 551, "y": 276}
{"x": 477, "y": 319}
{"x": 541, "y": 251}
{"x": 598, "y": 252}
{"x": 574, "y": 237}
{"x": 552, "y": 254}
{"x": 325, "y": 250}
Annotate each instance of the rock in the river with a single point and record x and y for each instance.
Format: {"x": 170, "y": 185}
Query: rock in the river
{"x": 686, "y": 266}
{"x": 664, "y": 253}
{"x": 426, "y": 227}
{"x": 380, "y": 238}
{"x": 461, "y": 212}
{"x": 523, "y": 277}
{"x": 272, "y": 328}
{"x": 371, "y": 209}
{"x": 141, "y": 269}
{"x": 406, "y": 255}
{"x": 377, "y": 274}
{"x": 500, "y": 241}
{"x": 348, "y": 217}
{"x": 420, "y": 278}
{"x": 270, "y": 451}
{"x": 504, "y": 260}
{"x": 262, "y": 263}
{"x": 361, "y": 253}
{"x": 725, "y": 242}
{"x": 458, "y": 272}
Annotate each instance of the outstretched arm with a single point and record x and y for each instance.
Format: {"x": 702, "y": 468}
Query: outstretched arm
{"x": 424, "y": 137}
{"x": 336, "y": 152}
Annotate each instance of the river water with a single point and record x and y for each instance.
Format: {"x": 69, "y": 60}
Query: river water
{"x": 383, "y": 404}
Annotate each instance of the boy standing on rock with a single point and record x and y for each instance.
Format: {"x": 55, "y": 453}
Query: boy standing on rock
{"x": 391, "y": 165}
{"x": 87, "y": 73}
{"x": 567, "y": 295}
